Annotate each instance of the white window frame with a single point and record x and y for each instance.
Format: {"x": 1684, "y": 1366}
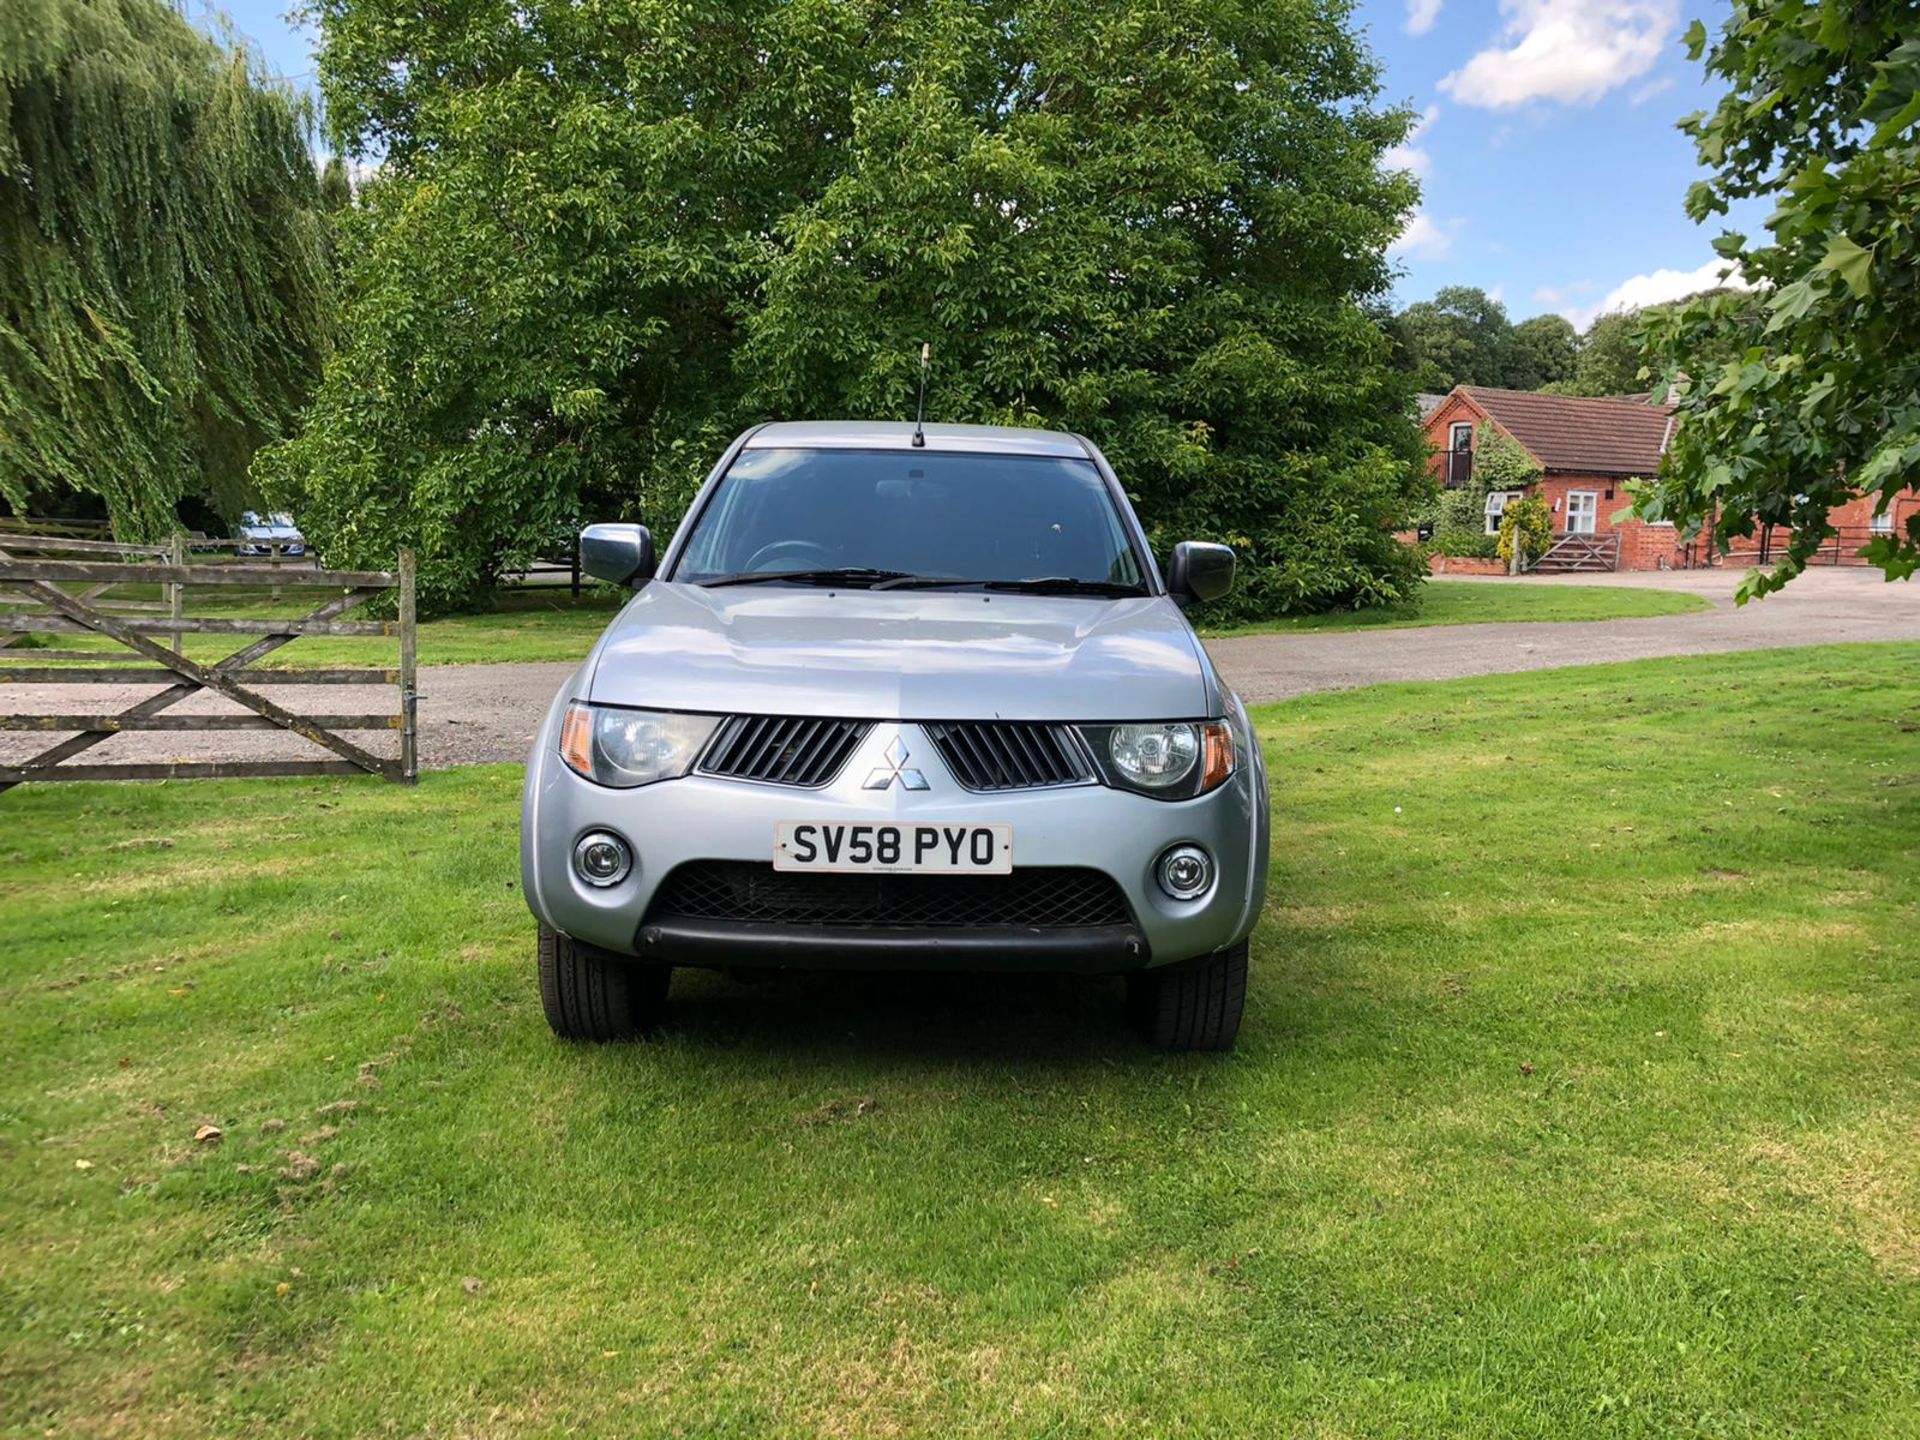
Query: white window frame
{"x": 1453, "y": 437}
{"x": 1881, "y": 524}
{"x": 1493, "y": 512}
{"x": 1591, "y": 510}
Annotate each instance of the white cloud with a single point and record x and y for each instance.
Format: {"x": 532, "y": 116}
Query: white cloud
{"x": 1654, "y": 289}
{"x": 1421, "y": 14}
{"x": 1424, "y": 239}
{"x": 1554, "y": 296}
{"x": 1572, "y": 51}
{"x": 1409, "y": 154}
{"x": 1657, "y": 86}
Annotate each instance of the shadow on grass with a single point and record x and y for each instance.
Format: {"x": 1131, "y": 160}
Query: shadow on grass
{"x": 830, "y": 1017}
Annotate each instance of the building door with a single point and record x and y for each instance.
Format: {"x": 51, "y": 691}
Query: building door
{"x": 1582, "y": 507}
{"x": 1459, "y": 454}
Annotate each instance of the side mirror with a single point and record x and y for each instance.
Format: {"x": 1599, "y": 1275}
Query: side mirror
{"x": 622, "y": 554}
{"x": 1199, "y": 571}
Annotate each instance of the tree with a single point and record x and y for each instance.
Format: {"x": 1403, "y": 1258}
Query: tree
{"x": 1807, "y": 395}
{"x": 1542, "y": 351}
{"x": 1608, "y": 361}
{"x": 1460, "y": 337}
{"x": 164, "y": 291}
{"x": 1463, "y": 337}
{"x": 606, "y": 237}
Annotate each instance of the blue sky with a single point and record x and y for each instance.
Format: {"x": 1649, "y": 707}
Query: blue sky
{"x": 1552, "y": 173}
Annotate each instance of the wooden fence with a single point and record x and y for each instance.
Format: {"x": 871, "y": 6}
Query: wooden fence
{"x": 63, "y": 585}
{"x": 38, "y": 527}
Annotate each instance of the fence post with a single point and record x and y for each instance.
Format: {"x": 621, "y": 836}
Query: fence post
{"x": 177, "y": 591}
{"x": 409, "y": 697}
{"x": 573, "y": 554}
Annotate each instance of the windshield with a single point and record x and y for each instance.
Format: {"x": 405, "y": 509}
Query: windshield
{"x": 891, "y": 513}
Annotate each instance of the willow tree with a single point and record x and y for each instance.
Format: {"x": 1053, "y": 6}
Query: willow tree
{"x": 164, "y": 296}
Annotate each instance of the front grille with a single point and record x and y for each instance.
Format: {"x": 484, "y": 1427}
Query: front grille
{"x": 745, "y": 891}
{"x": 1009, "y": 754}
{"x": 780, "y": 750}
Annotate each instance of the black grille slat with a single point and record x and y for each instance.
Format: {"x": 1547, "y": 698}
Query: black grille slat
{"x": 792, "y": 736}
{"x": 1012, "y": 772}
{"x": 782, "y": 750}
{"x": 1065, "y": 753}
{"x": 1028, "y": 742}
{"x": 850, "y": 739}
{"x": 829, "y": 751}
{"x": 992, "y": 768}
{"x": 749, "y": 892}
{"x": 1008, "y": 754}
{"x": 743, "y": 736}
{"x": 799, "y": 750}
{"x": 978, "y": 774}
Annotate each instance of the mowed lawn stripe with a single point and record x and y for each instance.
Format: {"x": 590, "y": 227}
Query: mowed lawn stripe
{"x": 547, "y": 624}
{"x": 1576, "y": 1097}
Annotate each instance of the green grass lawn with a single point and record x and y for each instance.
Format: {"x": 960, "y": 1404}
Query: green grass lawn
{"x": 1577, "y": 1097}
{"x": 1470, "y": 602}
{"x": 537, "y": 625}
{"x": 532, "y": 624}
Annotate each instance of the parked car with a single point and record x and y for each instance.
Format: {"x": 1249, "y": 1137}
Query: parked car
{"x": 260, "y": 534}
{"x": 895, "y": 698}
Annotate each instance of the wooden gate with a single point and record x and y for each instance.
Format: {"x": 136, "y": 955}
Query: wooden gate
{"x": 1571, "y": 552}
{"x": 46, "y": 590}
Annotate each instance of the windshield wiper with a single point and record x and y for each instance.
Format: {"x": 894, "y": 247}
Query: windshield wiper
{"x": 1036, "y": 585}
{"x": 848, "y": 575}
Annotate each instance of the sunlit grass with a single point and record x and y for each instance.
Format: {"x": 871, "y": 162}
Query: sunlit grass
{"x": 549, "y": 625}
{"x": 1576, "y": 1098}
{"x": 532, "y": 624}
{"x": 1468, "y": 602}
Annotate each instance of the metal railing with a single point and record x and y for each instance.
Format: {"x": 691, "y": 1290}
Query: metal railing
{"x": 1769, "y": 543}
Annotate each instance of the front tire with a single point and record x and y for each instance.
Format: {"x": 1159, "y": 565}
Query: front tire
{"x": 1192, "y": 1006}
{"x": 590, "y": 996}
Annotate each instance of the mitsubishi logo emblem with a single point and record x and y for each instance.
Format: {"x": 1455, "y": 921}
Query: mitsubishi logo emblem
{"x": 896, "y": 768}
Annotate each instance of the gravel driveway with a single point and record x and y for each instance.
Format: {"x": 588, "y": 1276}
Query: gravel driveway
{"x": 471, "y": 714}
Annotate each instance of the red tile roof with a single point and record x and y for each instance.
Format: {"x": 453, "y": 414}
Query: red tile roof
{"x": 1611, "y": 435}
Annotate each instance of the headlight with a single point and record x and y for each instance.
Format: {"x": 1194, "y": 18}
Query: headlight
{"x": 625, "y": 748}
{"x": 1172, "y": 761}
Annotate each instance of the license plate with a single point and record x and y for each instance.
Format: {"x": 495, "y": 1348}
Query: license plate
{"x": 887, "y": 848}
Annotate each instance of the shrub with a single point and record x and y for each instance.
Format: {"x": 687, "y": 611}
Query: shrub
{"x": 1528, "y": 521}
{"x": 1459, "y": 541}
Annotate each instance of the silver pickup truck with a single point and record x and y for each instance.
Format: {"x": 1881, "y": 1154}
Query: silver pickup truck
{"x": 899, "y": 697}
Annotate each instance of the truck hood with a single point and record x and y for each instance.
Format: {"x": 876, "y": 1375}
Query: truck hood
{"x": 903, "y": 655}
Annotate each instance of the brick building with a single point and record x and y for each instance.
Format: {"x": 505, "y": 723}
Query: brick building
{"x": 1587, "y": 448}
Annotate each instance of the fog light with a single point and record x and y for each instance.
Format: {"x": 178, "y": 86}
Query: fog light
{"x": 602, "y": 858}
{"x": 1185, "y": 871}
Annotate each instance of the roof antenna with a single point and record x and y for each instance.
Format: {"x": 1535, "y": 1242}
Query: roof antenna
{"x": 920, "y": 414}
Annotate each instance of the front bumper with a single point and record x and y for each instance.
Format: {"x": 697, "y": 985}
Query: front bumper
{"x": 1090, "y": 950}
{"x": 708, "y": 818}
